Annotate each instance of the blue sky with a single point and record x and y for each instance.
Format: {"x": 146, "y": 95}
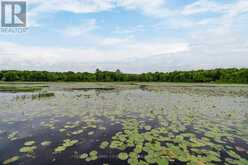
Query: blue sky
{"x": 132, "y": 35}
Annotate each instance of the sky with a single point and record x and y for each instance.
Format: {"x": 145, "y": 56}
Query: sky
{"x": 131, "y": 35}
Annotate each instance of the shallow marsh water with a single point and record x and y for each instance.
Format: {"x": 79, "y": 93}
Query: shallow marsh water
{"x": 125, "y": 124}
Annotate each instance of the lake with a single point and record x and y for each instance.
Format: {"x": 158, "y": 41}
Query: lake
{"x": 124, "y": 123}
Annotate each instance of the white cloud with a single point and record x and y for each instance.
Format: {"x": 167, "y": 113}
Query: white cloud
{"x": 149, "y": 49}
{"x": 74, "y": 6}
{"x": 148, "y": 7}
{"x": 39, "y": 8}
{"x": 157, "y": 8}
{"x": 77, "y": 30}
{"x": 114, "y": 41}
{"x": 207, "y": 49}
{"x": 24, "y": 56}
{"x": 153, "y": 8}
{"x": 239, "y": 8}
{"x": 129, "y": 30}
{"x": 201, "y": 6}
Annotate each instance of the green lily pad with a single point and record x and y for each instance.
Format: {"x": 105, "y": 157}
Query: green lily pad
{"x": 29, "y": 143}
{"x": 46, "y": 143}
{"x": 162, "y": 161}
{"x": 104, "y": 145}
{"x": 83, "y": 156}
{"x": 123, "y": 156}
{"x": 28, "y": 150}
{"x": 11, "y": 160}
{"x": 148, "y": 128}
{"x": 67, "y": 143}
{"x": 93, "y": 153}
{"x": 91, "y": 133}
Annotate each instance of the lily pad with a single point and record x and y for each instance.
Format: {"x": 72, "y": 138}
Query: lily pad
{"x": 83, "y": 156}
{"x": 11, "y": 160}
{"x": 162, "y": 161}
{"x": 67, "y": 143}
{"x": 28, "y": 150}
{"x": 123, "y": 156}
{"x": 104, "y": 145}
{"x": 46, "y": 143}
{"x": 29, "y": 143}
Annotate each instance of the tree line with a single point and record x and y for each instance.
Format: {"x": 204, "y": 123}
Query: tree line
{"x": 231, "y": 75}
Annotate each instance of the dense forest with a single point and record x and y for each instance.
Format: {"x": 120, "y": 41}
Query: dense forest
{"x": 231, "y": 75}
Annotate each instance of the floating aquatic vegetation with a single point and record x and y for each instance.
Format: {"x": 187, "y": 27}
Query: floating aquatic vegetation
{"x": 15, "y": 89}
{"x": 141, "y": 127}
{"x": 77, "y": 132}
{"x": 118, "y": 145}
{"x": 62, "y": 130}
{"x": 162, "y": 161}
{"x": 46, "y": 143}
{"x": 104, "y": 145}
{"x": 235, "y": 161}
{"x": 151, "y": 157}
{"x": 29, "y": 143}
{"x": 13, "y": 136}
{"x": 148, "y": 127}
{"x": 198, "y": 143}
{"x": 133, "y": 158}
{"x": 66, "y": 144}
{"x": 91, "y": 156}
{"x": 196, "y": 162}
{"x": 91, "y": 133}
{"x": 42, "y": 95}
{"x": 87, "y": 89}
{"x": 123, "y": 156}
{"x": 233, "y": 154}
{"x": 49, "y": 125}
{"x": 93, "y": 153}
{"x": 71, "y": 125}
{"x": 28, "y": 150}
{"x": 11, "y": 160}
{"x": 83, "y": 156}
{"x": 102, "y": 128}
{"x": 138, "y": 148}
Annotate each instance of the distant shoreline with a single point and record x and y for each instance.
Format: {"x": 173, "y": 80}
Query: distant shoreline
{"x": 214, "y": 76}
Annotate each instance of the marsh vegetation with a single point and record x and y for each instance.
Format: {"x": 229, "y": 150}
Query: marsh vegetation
{"x": 125, "y": 123}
